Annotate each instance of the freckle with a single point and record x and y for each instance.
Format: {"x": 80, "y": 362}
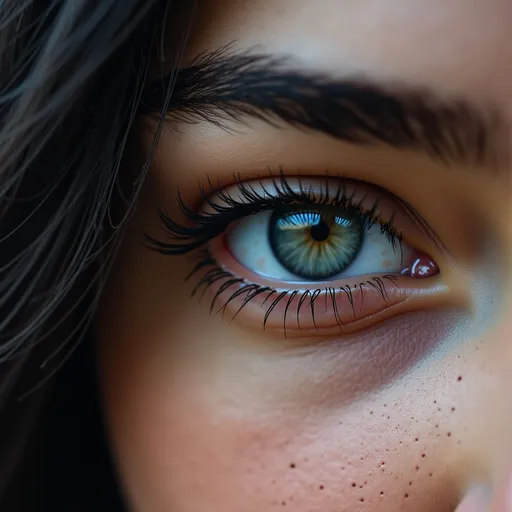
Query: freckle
{"x": 360, "y": 487}
{"x": 459, "y": 378}
{"x": 417, "y": 468}
{"x": 430, "y": 474}
{"x": 449, "y": 434}
{"x": 382, "y": 493}
{"x": 406, "y": 495}
{"x": 453, "y": 409}
{"x": 292, "y": 465}
{"x": 410, "y": 483}
{"x": 439, "y": 409}
{"x": 354, "y": 484}
{"x": 361, "y": 500}
{"x": 416, "y": 439}
{"x": 437, "y": 426}
{"x": 283, "y": 503}
{"x": 321, "y": 487}
{"x": 387, "y": 264}
{"x": 423, "y": 455}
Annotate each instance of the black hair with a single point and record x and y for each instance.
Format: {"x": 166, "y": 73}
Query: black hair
{"x": 71, "y": 75}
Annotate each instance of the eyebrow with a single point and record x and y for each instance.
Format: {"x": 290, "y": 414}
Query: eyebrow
{"x": 225, "y": 86}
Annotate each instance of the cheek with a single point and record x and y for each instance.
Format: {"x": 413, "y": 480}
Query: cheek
{"x": 182, "y": 445}
{"x": 201, "y": 421}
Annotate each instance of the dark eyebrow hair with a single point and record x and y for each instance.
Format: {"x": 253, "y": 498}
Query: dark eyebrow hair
{"x": 228, "y": 86}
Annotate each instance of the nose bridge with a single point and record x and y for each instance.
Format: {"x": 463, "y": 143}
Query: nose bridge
{"x": 488, "y": 419}
{"x": 501, "y": 400}
{"x": 486, "y": 465}
{"x": 488, "y": 480}
{"x": 492, "y": 387}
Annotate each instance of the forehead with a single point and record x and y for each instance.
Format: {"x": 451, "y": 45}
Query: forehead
{"x": 458, "y": 46}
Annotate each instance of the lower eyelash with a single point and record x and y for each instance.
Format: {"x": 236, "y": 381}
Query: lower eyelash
{"x": 215, "y": 275}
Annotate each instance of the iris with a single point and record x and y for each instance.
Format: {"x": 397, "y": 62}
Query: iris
{"x": 315, "y": 243}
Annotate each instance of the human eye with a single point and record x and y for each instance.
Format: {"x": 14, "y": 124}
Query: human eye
{"x": 306, "y": 254}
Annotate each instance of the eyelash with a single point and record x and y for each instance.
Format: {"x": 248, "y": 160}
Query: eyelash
{"x": 205, "y": 226}
{"x": 217, "y": 273}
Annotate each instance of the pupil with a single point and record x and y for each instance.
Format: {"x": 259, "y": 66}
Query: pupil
{"x": 320, "y": 232}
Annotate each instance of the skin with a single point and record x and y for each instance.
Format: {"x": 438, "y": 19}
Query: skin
{"x": 410, "y": 414}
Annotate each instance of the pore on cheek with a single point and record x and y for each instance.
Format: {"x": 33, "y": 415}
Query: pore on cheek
{"x": 314, "y": 431}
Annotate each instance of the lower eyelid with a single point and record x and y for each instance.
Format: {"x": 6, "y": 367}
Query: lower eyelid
{"x": 321, "y": 308}
{"x": 331, "y": 311}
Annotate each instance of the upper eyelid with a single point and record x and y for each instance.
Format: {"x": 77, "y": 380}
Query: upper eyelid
{"x": 184, "y": 239}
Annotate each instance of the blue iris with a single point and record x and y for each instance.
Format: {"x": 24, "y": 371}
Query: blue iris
{"x": 315, "y": 243}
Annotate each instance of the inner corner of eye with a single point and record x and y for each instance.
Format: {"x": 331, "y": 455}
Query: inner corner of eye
{"x": 420, "y": 265}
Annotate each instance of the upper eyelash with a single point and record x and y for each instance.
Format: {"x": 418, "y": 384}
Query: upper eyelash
{"x": 206, "y": 226}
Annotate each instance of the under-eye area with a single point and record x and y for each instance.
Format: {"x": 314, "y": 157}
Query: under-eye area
{"x": 306, "y": 255}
